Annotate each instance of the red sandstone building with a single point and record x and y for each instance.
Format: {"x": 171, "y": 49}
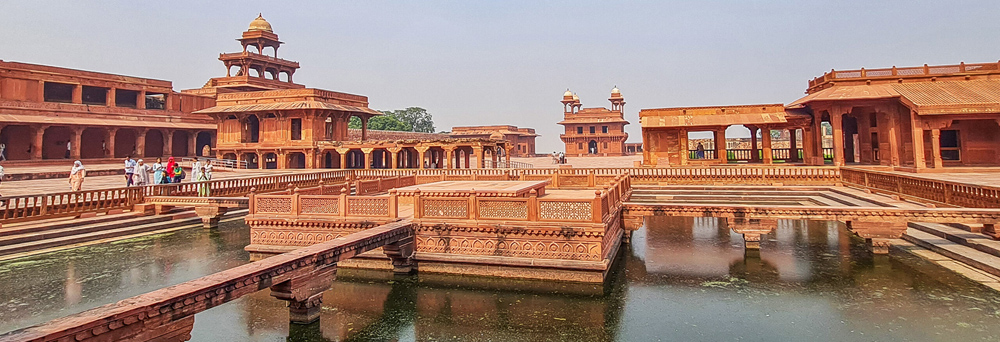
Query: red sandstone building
{"x": 594, "y": 131}
{"x": 44, "y": 108}
{"x": 522, "y": 140}
{"x": 922, "y": 119}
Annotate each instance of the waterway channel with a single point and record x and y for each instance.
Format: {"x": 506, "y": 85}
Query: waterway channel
{"x": 680, "y": 279}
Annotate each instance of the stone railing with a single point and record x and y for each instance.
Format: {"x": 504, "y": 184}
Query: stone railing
{"x": 894, "y": 72}
{"x": 299, "y": 206}
{"x": 299, "y": 277}
{"x": 383, "y": 184}
{"x": 743, "y": 174}
{"x": 924, "y": 189}
{"x": 52, "y": 205}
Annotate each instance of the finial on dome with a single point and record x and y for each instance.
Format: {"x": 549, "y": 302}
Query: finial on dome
{"x": 568, "y": 93}
{"x": 260, "y": 24}
{"x": 615, "y": 90}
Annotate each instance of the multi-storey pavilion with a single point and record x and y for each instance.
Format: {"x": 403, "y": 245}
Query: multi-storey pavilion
{"x": 269, "y": 122}
{"x": 594, "y": 131}
{"x": 49, "y": 112}
{"x": 921, "y": 119}
{"x": 521, "y": 140}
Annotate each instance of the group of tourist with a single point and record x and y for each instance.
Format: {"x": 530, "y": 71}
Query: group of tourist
{"x": 138, "y": 173}
{"x": 558, "y": 158}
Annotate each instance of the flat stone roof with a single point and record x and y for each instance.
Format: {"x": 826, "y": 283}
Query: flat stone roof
{"x": 483, "y": 188}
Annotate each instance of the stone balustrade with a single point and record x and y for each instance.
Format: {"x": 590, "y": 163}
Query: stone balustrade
{"x": 924, "y": 189}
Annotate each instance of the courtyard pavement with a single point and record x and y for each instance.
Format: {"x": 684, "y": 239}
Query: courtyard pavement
{"x": 41, "y": 186}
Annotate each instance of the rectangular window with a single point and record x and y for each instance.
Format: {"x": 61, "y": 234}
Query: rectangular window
{"x": 950, "y": 149}
{"x": 59, "y": 92}
{"x": 579, "y": 130}
{"x": 95, "y": 95}
{"x": 592, "y": 131}
{"x": 296, "y": 129}
{"x": 126, "y": 98}
{"x": 156, "y": 101}
{"x": 604, "y": 129}
{"x": 579, "y": 146}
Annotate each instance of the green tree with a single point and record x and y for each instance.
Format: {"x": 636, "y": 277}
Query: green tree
{"x": 417, "y": 118}
{"x": 388, "y": 123}
{"x": 355, "y": 123}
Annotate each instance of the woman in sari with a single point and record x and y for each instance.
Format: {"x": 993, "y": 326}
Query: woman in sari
{"x": 76, "y": 175}
{"x": 141, "y": 176}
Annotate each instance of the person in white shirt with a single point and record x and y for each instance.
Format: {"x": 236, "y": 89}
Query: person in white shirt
{"x": 129, "y": 170}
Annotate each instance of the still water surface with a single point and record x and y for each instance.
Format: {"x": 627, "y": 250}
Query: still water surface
{"x": 681, "y": 279}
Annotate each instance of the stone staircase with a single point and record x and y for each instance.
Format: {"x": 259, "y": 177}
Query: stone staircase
{"x": 959, "y": 242}
{"x": 35, "y": 237}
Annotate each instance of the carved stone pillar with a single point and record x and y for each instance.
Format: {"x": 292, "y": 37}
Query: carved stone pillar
{"x": 111, "y": 97}
{"x": 878, "y": 232}
{"x": 78, "y": 94}
{"x": 140, "y": 144}
{"x": 168, "y": 145}
{"x": 450, "y": 157}
{"x": 74, "y": 152}
{"x": 140, "y": 100}
{"x": 754, "y": 156}
{"x": 368, "y": 157}
{"x": 394, "y": 157}
{"x": 918, "y": 141}
{"x": 480, "y": 154}
{"x": 837, "y": 121}
{"x": 109, "y": 151}
{"x": 420, "y": 153}
{"x": 304, "y": 293}
{"x": 364, "y": 129}
{"x": 793, "y": 153}
{"x": 193, "y": 144}
{"x": 936, "y": 148}
{"x": 343, "y": 157}
{"x": 39, "y": 140}
{"x": 210, "y": 215}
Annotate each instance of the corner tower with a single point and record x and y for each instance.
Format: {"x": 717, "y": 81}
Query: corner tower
{"x": 257, "y": 67}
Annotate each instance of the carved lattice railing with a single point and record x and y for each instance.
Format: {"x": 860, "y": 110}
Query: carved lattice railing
{"x": 924, "y": 189}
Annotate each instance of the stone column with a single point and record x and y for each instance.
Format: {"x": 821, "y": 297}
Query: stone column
{"x": 793, "y": 154}
{"x": 480, "y": 157}
{"x": 765, "y": 134}
{"x": 449, "y": 153}
{"x": 754, "y": 156}
{"x": 818, "y": 155}
{"x": 168, "y": 145}
{"x": 343, "y": 157}
{"x": 836, "y": 120}
{"x": 140, "y": 144}
{"x": 720, "y": 146}
{"x": 310, "y": 156}
{"x": 936, "y": 148}
{"x": 368, "y": 157}
{"x": 36, "y": 145}
{"x": 808, "y": 146}
{"x": 919, "y": 161}
{"x": 420, "y": 156}
{"x": 401, "y": 254}
{"x": 193, "y": 144}
{"x": 394, "y": 157}
{"x": 893, "y": 131}
{"x": 74, "y": 152}
{"x": 364, "y": 129}
{"x": 110, "y": 143}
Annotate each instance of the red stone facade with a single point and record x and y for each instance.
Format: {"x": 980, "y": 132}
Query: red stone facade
{"x": 42, "y": 108}
{"x": 522, "y": 140}
{"x": 594, "y": 131}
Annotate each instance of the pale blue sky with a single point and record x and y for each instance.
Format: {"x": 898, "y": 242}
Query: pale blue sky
{"x": 476, "y": 62}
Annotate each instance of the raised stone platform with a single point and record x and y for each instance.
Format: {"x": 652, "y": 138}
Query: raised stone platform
{"x": 482, "y": 188}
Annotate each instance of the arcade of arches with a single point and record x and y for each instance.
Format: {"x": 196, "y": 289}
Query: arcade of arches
{"x": 40, "y": 142}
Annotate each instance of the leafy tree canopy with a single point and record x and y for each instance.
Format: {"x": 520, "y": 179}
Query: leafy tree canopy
{"x": 412, "y": 119}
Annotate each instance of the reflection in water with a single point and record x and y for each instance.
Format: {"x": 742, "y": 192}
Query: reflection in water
{"x": 681, "y": 279}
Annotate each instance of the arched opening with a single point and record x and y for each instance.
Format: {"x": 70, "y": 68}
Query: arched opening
{"x": 270, "y": 74}
{"x": 251, "y": 129}
{"x": 230, "y": 156}
{"x": 92, "y": 143}
{"x": 355, "y": 159}
{"x": 251, "y": 159}
{"x": 124, "y": 143}
{"x": 270, "y": 161}
{"x": 592, "y": 147}
{"x": 253, "y": 72}
{"x": 274, "y": 51}
{"x": 283, "y": 76}
{"x": 54, "y": 142}
{"x": 407, "y": 158}
{"x": 179, "y": 144}
{"x": 16, "y": 142}
{"x": 296, "y": 160}
{"x": 154, "y": 144}
{"x": 235, "y": 70}
{"x": 434, "y": 158}
{"x": 701, "y": 145}
{"x": 204, "y": 139}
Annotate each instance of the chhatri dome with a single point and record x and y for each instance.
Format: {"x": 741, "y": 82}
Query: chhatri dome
{"x": 568, "y": 93}
{"x": 615, "y": 91}
{"x": 496, "y": 136}
{"x": 260, "y": 24}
